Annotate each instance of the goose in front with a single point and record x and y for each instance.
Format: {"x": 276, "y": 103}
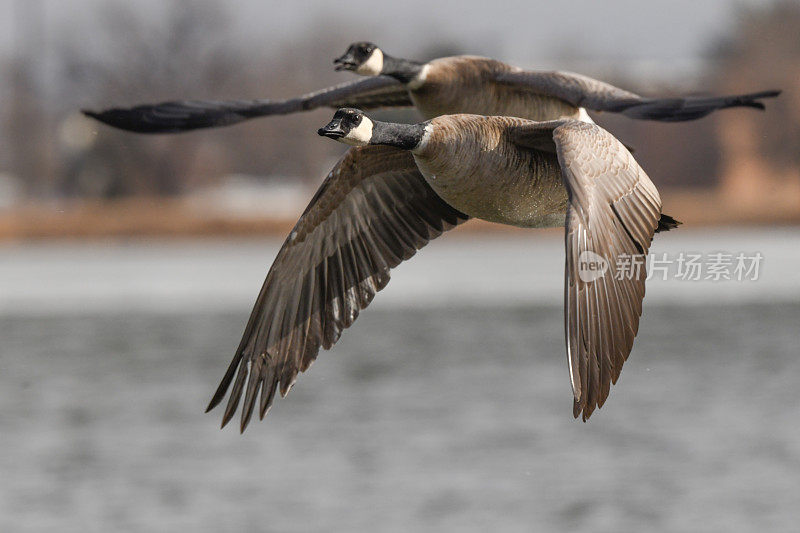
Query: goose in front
{"x": 402, "y": 185}
{"x": 448, "y": 85}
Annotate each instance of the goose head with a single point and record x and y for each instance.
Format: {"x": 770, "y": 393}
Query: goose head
{"x": 363, "y": 58}
{"x": 349, "y": 126}
{"x": 353, "y": 127}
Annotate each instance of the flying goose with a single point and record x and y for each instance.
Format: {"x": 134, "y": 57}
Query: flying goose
{"x": 449, "y": 85}
{"x": 402, "y": 185}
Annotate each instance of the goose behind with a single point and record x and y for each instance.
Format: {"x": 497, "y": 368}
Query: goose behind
{"x": 449, "y": 85}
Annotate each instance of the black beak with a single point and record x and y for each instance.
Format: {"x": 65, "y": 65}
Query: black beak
{"x": 333, "y": 130}
{"x": 346, "y": 62}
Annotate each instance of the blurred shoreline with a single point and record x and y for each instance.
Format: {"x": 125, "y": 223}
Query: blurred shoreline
{"x": 182, "y": 217}
{"x": 215, "y": 274}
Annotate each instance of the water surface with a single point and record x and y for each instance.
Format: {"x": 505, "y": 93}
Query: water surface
{"x": 434, "y": 412}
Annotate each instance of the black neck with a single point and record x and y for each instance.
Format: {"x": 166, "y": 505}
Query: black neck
{"x": 405, "y": 136}
{"x": 402, "y": 70}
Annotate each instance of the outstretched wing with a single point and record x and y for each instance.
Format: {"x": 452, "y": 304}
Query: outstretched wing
{"x": 373, "y": 211}
{"x": 582, "y": 91}
{"x": 178, "y": 116}
{"x": 612, "y": 213}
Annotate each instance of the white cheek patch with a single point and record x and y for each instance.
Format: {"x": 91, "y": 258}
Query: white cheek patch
{"x": 373, "y": 65}
{"x": 360, "y": 135}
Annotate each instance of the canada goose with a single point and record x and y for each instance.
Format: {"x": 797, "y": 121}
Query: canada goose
{"x": 405, "y": 184}
{"x": 449, "y": 85}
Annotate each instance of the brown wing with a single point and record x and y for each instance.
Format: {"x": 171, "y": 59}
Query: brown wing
{"x": 373, "y": 211}
{"x": 583, "y": 91}
{"x": 612, "y": 213}
{"x": 178, "y": 116}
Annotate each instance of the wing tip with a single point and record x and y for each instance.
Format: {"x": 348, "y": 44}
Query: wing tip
{"x": 753, "y": 100}
{"x": 219, "y": 395}
{"x": 125, "y": 120}
{"x": 771, "y": 93}
{"x": 227, "y": 417}
{"x": 585, "y": 409}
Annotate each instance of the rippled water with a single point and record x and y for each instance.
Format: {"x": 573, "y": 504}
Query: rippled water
{"x": 428, "y": 419}
{"x": 446, "y": 407}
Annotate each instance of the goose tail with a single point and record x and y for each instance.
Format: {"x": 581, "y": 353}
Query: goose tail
{"x": 666, "y": 223}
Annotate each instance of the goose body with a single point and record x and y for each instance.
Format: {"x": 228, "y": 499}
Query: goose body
{"x": 466, "y": 84}
{"x": 450, "y": 85}
{"x": 402, "y": 185}
{"x": 471, "y": 162}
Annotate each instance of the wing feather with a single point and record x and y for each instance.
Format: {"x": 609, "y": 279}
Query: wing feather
{"x": 613, "y": 211}
{"x": 583, "y": 91}
{"x": 373, "y": 211}
{"x": 185, "y": 115}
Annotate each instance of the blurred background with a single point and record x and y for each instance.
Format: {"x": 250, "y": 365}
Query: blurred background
{"x": 128, "y": 265}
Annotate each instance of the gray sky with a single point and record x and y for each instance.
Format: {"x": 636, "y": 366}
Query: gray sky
{"x": 527, "y": 32}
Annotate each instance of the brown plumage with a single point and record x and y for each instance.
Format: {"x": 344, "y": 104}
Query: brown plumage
{"x": 614, "y": 210}
{"x": 514, "y": 171}
{"x": 470, "y": 84}
{"x": 373, "y": 211}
